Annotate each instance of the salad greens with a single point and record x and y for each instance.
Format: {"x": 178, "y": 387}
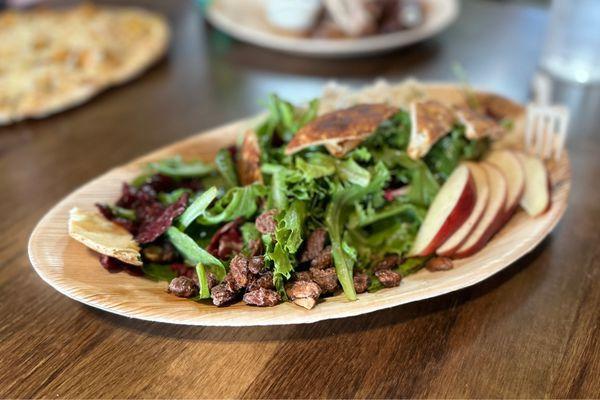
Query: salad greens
{"x": 370, "y": 201}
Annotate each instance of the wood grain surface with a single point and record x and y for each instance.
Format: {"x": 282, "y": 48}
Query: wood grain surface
{"x": 530, "y": 331}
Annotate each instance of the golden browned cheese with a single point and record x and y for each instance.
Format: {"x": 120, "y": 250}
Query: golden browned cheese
{"x": 478, "y": 125}
{"x": 357, "y": 122}
{"x": 248, "y": 160}
{"x": 431, "y": 120}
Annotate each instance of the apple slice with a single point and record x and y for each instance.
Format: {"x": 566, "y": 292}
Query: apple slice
{"x": 510, "y": 165}
{"x": 493, "y": 216}
{"x": 536, "y": 197}
{"x": 450, "y": 209}
{"x": 483, "y": 191}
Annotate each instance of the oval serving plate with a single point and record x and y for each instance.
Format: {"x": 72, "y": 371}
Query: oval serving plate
{"x": 246, "y": 21}
{"x": 75, "y": 271}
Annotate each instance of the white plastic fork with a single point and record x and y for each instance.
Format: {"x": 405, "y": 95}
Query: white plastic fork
{"x": 546, "y": 125}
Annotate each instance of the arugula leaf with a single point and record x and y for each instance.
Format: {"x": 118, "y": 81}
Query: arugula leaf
{"x": 350, "y": 171}
{"x": 249, "y": 232}
{"x": 194, "y": 254}
{"x": 290, "y": 227}
{"x": 197, "y": 208}
{"x": 158, "y": 272}
{"x": 171, "y": 197}
{"x": 336, "y": 217}
{"x": 121, "y": 212}
{"x": 177, "y": 168}
{"x": 204, "y": 290}
{"x": 226, "y": 168}
{"x": 320, "y": 165}
{"x": 447, "y": 153}
{"x": 399, "y": 206}
{"x": 282, "y": 267}
{"x": 237, "y": 202}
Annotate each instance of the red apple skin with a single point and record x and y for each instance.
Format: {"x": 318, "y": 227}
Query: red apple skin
{"x": 495, "y": 225}
{"x": 451, "y": 250}
{"x": 455, "y": 219}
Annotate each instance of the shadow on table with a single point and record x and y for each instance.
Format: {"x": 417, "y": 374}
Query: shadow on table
{"x": 379, "y": 319}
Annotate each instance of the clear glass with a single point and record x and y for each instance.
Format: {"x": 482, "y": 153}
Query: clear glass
{"x": 572, "y": 49}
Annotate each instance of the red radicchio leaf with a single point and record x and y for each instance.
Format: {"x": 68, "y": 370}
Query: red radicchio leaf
{"x": 113, "y": 265}
{"x": 226, "y": 240}
{"x": 154, "y": 225}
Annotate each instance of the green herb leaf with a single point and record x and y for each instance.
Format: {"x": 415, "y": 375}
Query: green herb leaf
{"x": 177, "y": 168}
{"x": 194, "y": 254}
{"x": 197, "y": 208}
{"x": 204, "y": 290}
{"x": 237, "y": 202}
{"x": 170, "y": 198}
{"x": 226, "y": 168}
{"x": 159, "y": 272}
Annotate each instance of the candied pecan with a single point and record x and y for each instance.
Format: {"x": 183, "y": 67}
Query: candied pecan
{"x": 361, "y": 282}
{"x": 238, "y": 270}
{"x": 388, "y": 278}
{"x": 265, "y": 222}
{"x": 182, "y": 286}
{"x": 222, "y": 295}
{"x": 439, "y": 264}
{"x": 314, "y": 245}
{"x": 255, "y": 264}
{"x": 303, "y": 276}
{"x": 325, "y": 278}
{"x": 389, "y": 262}
{"x": 262, "y": 297}
{"x": 323, "y": 260}
{"x": 264, "y": 280}
{"x": 162, "y": 253}
{"x": 303, "y": 293}
{"x": 256, "y": 247}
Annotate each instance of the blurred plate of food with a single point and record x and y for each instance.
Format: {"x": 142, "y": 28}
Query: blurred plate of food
{"x": 332, "y": 28}
{"x": 53, "y": 59}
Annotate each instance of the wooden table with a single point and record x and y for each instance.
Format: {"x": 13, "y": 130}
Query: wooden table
{"x": 531, "y": 331}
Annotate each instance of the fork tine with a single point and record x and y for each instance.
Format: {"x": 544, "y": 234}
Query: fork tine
{"x": 529, "y": 127}
{"x": 549, "y": 134}
{"x": 562, "y": 132}
{"x": 539, "y": 132}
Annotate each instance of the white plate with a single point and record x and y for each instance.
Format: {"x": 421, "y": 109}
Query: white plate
{"x": 246, "y": 20}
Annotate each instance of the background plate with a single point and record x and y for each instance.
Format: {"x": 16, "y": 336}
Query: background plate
{"x": 74, "y": 270}
{"x": 245, "y": 20}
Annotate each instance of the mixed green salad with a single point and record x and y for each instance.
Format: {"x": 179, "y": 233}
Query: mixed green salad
{"x": 311, "y": 225}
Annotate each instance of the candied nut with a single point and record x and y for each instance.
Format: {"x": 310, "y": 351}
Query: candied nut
{"x": 325, "y": 278}
{"x": 265, "y": 222}
{"x": 361, "y": 282}
{"x": 182, "y": 286}
{"x": 262, "y": 297}
{"x": 388, "y": 278}
{"x": 439, "y": 264}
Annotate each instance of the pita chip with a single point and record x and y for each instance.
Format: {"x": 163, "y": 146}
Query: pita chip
{"x": 103, "y": 236}
{"x": 355, "y": 123}
{"x": 430, "y": 121}
{"x": 248, "y": 160}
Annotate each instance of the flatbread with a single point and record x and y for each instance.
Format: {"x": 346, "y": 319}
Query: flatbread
{"x": 248, "y": 160}
{"x": 53, "y": 60}
{"x": 354, "y": 123}
{"x": 103, "y": 236}
{"x": 430, "y": 121}
{"x": 498, "y": 107}
{"x": 477, "y": 125}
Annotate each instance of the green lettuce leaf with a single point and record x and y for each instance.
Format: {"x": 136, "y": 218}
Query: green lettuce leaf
{"x": 197, "y": 208}
{"x": 194, "y": 254}
{"x": 226, "y": 168}
{"x": 237, "y": 202}
{"x": 177, "y": 168}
